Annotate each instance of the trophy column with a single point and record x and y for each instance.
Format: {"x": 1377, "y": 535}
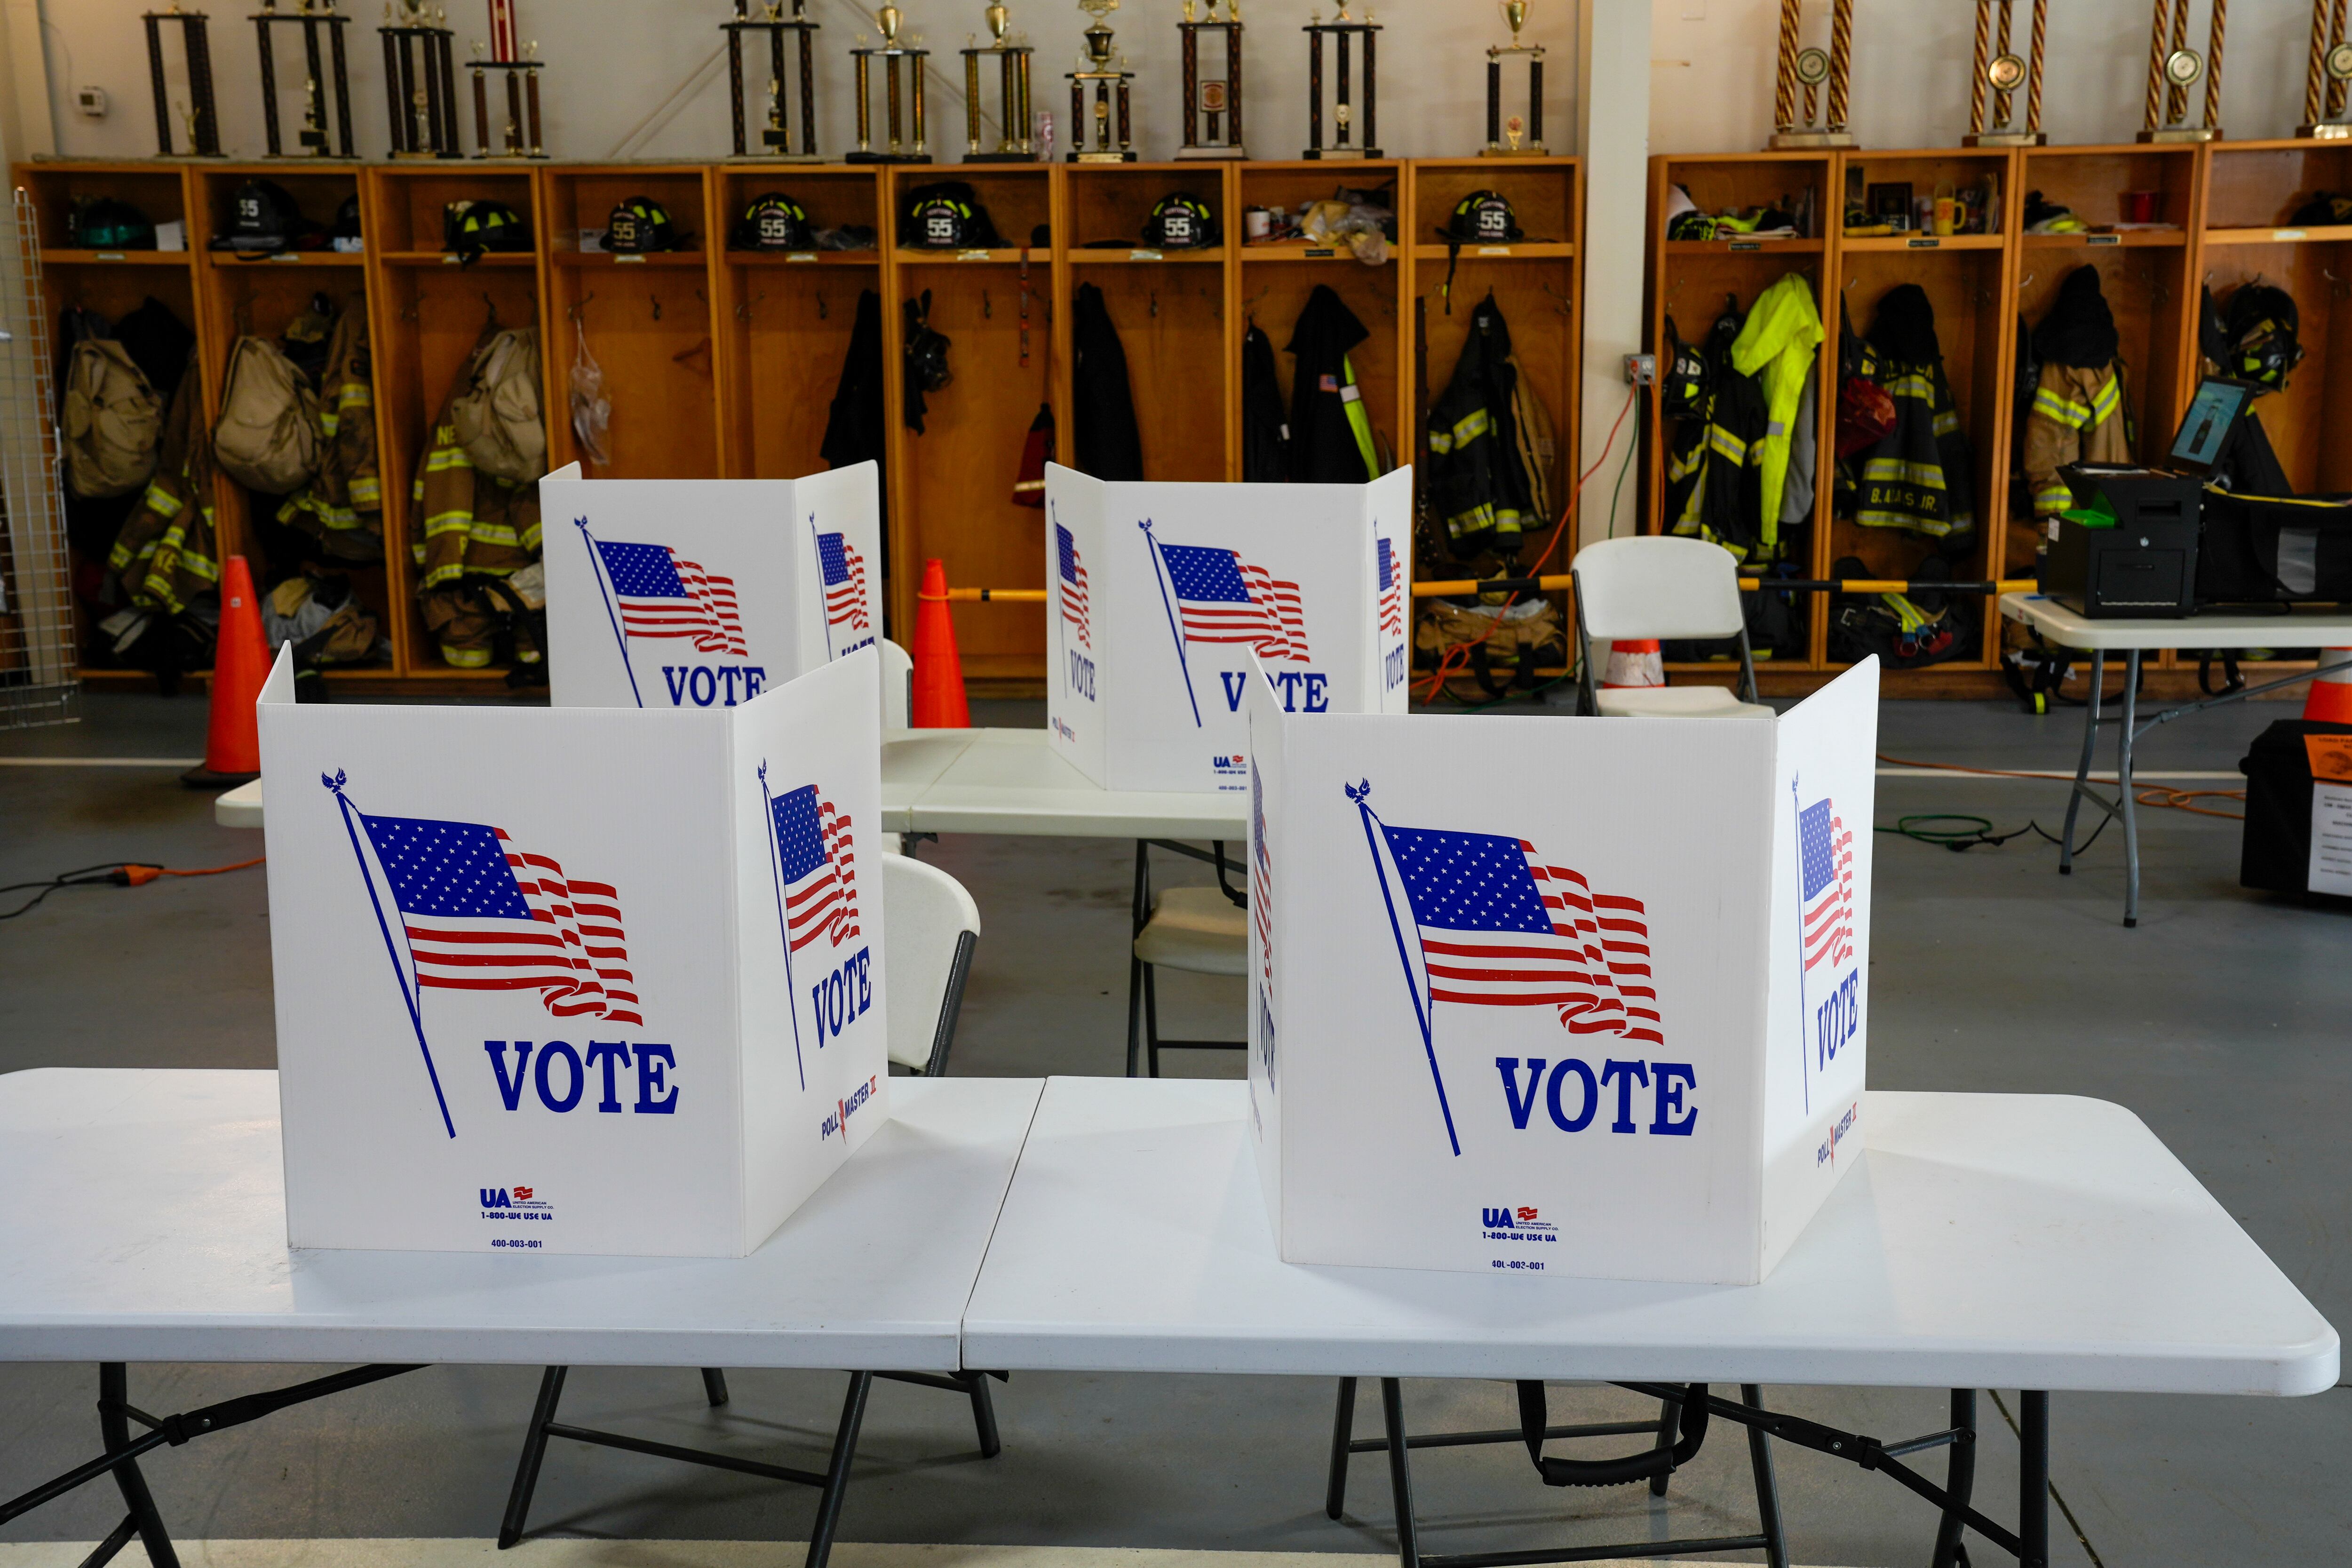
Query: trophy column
{"x": 1110, "y": 78}
{"x": 1015, "y": 141}
{"x": 1512, "y": 136}
{"x": 2173, "y": 68}
{"x": 201, "y": 113}
{"x": 1213, "y": 108}
{"x": 1811, "y": 68}
{"x": 312, "y": 15}
{"x": 2325, "y": 81}
{"x": 1999, "y": 72}
{"x": 775, "y": 136}
{"x": 420, "y": 94}
{"x": 899, "y": 148}
{"x": 518, "y": 136}
{"x": 1343, "y": 31}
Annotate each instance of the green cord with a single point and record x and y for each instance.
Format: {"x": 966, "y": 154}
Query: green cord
{"x": 1976, "y": 831}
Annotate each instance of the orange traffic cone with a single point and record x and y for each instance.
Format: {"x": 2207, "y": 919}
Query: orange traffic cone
{"x": 2330, "y": 702}
{"x": 1634, "y": 661}
{"x": 938, "y": 701}
{"x": 240, "y": 664}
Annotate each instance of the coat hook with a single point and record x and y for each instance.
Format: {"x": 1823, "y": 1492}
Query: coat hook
{"x": 2029, "y": 277}
{"x": 821, "y": 313}
{"x": 491, "y": 305}
{"x": 987, "y": 306}
{"x": 655, "y": 300}
{"x": 742, "y": 310}
{"x": 1155, "y": 304}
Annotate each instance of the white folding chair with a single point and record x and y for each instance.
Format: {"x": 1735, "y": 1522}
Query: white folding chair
{"x": 1661, "y": 586}
{"x": 929, "y": 926}
{"x": 897, "y": 684}
{"x": 1202, "y": 931}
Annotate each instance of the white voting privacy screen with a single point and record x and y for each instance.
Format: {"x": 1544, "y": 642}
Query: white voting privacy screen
{"x": 1157, "y": 594}
{"x": 1608, "y": 1024}
{"x": 705, "y": 592}
{"x": 567, "y": 980}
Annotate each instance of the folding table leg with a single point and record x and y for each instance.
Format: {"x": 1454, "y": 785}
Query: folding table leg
{"x": 836, "y": 1473}
{"x": 2082, "y": 768}
{"x": 1960, "y": 1479}
{"x": 1399, "y": 1472}
{"x": 714, "y": 1387}
{"x": 2125, "y": 793}
{"x": 2033, "y": 1480}
{"x": 1668, "y": 1411}
{"x": 983, "y": 1417}
{"x": 534, "y": 1449}
{"x": 1343, "y": 1432}
{"x": 1768, "y": 1486}
{"x": 114, "y": 1429}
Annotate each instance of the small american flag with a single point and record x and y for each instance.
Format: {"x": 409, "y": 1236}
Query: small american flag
{"x": 663, "y": 595}
{"x": 481, "y": 915}
{"x": 845, "y": 582}
{"x": 819, "y": 866}
{"x": 1391, "y": 593}
{"x": 1500, "y": 928}
{"x": 1825, "y": 868}
{"x": 1074, "y": 584}
{"x": 1220, "y": 598}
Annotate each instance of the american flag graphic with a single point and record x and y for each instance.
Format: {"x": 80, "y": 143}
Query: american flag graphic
{"x": 661, "y": 593}
{"x": 818, "y": 864}
{"x": 1074, "y": 584}
{"x": 843, "y": 570}
{"x": 1500, "y": 928}
{"x": 1220, "y": 598}
{"x": 481, "y": 915}
{"x": 1391, "y": 593}
{"x": 1825, "y": 871}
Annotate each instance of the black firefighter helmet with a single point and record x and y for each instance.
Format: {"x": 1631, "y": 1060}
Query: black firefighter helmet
{"x": 774, "y": 221}
{"x": 638, "y": 225}
{"x": 1180, "y": 221}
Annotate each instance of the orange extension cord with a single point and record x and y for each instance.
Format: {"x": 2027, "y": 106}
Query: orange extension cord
{"x": 2154, "y": 794}
{"x": 118, "y": 873}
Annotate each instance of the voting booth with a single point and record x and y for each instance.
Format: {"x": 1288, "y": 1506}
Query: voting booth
{"x": 1603, "y": 1014}
{"x": 564, "y": 980}
{"x": 1159, "y": 594}
{"x": 705, "y": 592}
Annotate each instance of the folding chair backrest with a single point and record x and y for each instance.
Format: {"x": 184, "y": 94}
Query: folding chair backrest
{"x": 898, "y": 672}
{"x": 930, "y": 925}
{"x": 1658, "y": 586}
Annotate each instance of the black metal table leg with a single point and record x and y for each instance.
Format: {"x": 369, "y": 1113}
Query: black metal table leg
{"x": 2033, "y": 1480}
{"x": 114, "y": 1430}
{"x": 1399, "y": 1472}
{"x": 1668, "y": 1411}
{"x": 983, "y": 1417}
{"x": 1768, "y": 1485}
{"x": 1960, "y": 1479}
{"x": 714, "y": 1387}
{"x": 2126, "y": 797}
{"x": 1343, "y": 1431}
{"x": 534, "y": 1449}
{"x": 836, "y": 1473}
{"x": 2082, "y": 768}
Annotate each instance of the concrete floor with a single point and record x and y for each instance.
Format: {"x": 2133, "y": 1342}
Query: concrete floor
{"x": 2220, "y": 1021}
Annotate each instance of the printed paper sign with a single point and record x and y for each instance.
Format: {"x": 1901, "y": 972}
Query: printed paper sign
{"x": 1597, "y": 1026}
{"x": 2331, "y": 839}
{"x": 567, "y": 980}
{"x": 704, "y": 592}
{"x": 1161, "y": 593}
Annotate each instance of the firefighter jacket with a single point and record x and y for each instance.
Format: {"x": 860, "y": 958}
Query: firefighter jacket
{"x": 1485, "y": 479}
{"x": 465, "y": 523}
{"x": 1777, "y": 346}
{"x": 1266, "y": 435}
{"x": 167, "y": 553}
{"x": 344, "y": 506}
{"x": 1104, "y": 438}
{"x": 1714, "y": 468}
{"x": 1330, "y": 433}
{"x": 1920, "y": 475}
{"x": 2078, "y": 417}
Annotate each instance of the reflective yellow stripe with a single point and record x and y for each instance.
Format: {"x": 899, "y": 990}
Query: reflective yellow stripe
{"x": 447, "y": 458}
{"x": 1440, "y": 442}
{"x": 161, "y": 502}
{"x": 367, "y": 494}
{"x": 465, "y": 657}
{"x": 494, "y": 533}
{"x": 328, "y": 422}
{"x": 2057, "y": 498}
{"x": 457, "y": 521}
{"x": 449, "y": 572}
{"x": 1912, "y": 385}
{"x": 1723, "y": 441}
{"x": 1946, "y": 423}
{"x": 1470, "y": 426}
{"x": 1478, "y": 520}
{"x": 1896, "y": 472}
{"x": 2064, "y": 410}
{"x": 2105, "y": 402}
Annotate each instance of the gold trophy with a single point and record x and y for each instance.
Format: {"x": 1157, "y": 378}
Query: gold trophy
{"x": 1343, "y": 30}
{"x": 1110, "y": 77}
{"x": 420, "y": 80}
{"x": 200, "y": 117}
{"x": 902, "y": 148}
{"x": 1999, "y": 71}
{"x": 1513, "y": 137}
{"x": 2173, "y": 68}
{"x": 1212, "y": 107}
{"x": 2329, "y": 76}
{"x": 776, "y": 134}
{"x": 1016, "y": 138}
{"x": 1811, "y": 68}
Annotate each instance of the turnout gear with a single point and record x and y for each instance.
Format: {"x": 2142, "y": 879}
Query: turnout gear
{"x": 1484, "y": 479}
{"x": 639, "y": 225}
{"x": 103, "y": 223}
{"x": 344, "y": 506}
{"x": 854, "y": 428}
{"x": 1180, "y": 221}
{"x": 467, "y": 522}
{"x": 470, "y": 228}
{"x": 947, "y": 215}
{"x": 1920, "y": 476}
{"x": 268, "y": 437}
{"x": 1683, "y": 379}
{"x": 2260, "y": 325}
{"x": 1265, "y": 434}
{"x": 166, "y": 556}
{"x": 1713, "y": 472}
{"x": 1330, "y": 433}
{"x": 113, "y": 418}
{"x": 1103, "y": 437}
{"x": 496, "y": 413}
{"x": 2078, "y": 413}
{"x": 774, "y": 221}
{"x": 1777, "y": 345}
{"x": 264, "y": 220}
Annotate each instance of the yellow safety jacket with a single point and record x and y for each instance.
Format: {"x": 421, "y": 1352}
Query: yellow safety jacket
{"x": 1918, "y": 476}
{"x": 168, "y": 552}
{"x": 1777, "y": 346}
{"x": 344, "y": 504}
{"x": 2078, "y": 416}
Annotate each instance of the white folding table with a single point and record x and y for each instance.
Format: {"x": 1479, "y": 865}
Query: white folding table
{"x": 2070, "y": 627}
{"x": 145, "y": 1220}
{"x": 2039, "y": 1242}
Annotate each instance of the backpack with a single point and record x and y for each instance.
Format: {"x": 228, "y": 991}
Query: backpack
{"x": 268, "y": 437}
{"x": 113, "y": 418}
{"x": 498, "y": 417}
